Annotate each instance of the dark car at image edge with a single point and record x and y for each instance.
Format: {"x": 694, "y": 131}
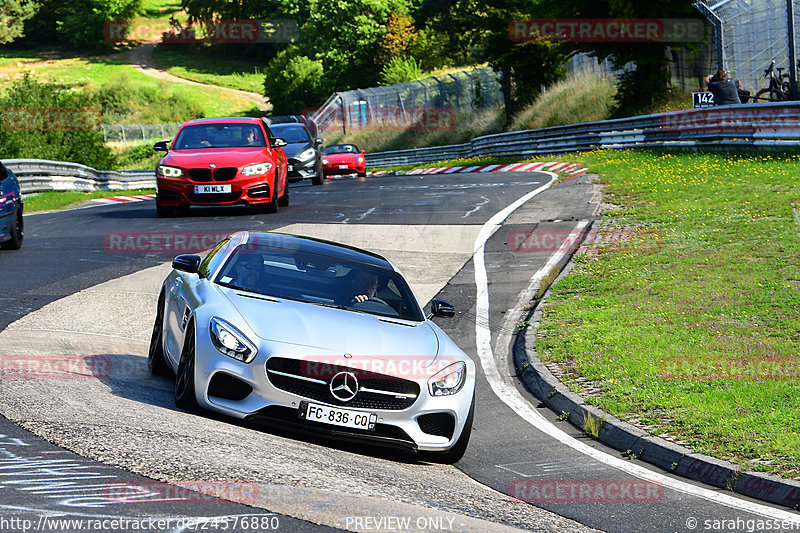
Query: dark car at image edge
{"x": 11, "y": 208}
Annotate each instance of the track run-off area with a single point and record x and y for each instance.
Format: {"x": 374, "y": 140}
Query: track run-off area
{"x": 85, "y": 284}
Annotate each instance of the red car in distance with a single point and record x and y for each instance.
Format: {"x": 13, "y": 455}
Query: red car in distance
{"x": 222, "y": 161}
{"x": 343, "y": 159}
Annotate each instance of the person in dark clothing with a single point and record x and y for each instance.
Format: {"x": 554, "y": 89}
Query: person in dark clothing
{"x": 724, "y": 89}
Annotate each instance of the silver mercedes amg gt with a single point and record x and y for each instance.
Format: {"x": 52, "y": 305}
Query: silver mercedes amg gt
{"x": 315, "y": 335}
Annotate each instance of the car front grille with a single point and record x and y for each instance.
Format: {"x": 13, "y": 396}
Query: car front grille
{"x": 311, "y": 380}
{"x": 218, "y": 174}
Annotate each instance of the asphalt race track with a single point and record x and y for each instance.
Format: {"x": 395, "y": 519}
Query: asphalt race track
{"x": 85, "y": 284}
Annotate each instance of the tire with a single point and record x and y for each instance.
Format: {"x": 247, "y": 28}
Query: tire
{"x": 454, "y": 454}
{"x": 272, "y": 205}
{"x": 319, "y": 178}
{"x": 185, "y": 397}
{"x": 362, "y": 174}
{"x": 164, "y": 211}
{"x": 762, "y": 96}
{"x": 17, "y": 233}
{"x": 283, "y": 201}
{"x": 155, "y": 355}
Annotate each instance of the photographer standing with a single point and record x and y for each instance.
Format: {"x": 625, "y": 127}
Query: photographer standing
{"x": 724, "y": 89}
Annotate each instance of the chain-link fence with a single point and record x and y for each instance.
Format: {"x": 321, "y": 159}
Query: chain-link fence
{"x": 138, "y": 133}
{"x": 419, "y": 104}
{"x": 752, "y": 34}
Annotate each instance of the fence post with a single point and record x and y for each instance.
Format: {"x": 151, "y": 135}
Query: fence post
{"x": 458, "y": 89}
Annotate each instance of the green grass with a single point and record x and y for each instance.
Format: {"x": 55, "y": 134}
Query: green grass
{"x": 55, "y": 200}
{"x": 148, "y": 100}
{"x": 582, "y": 99}
{"x": 706, "y": 278}
{"x": 204, "y": 68}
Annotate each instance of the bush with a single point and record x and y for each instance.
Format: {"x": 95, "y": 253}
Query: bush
{"x": 294, "y": 83}
{"x": 401, "y": 69}
{"x": 40, "y": 135}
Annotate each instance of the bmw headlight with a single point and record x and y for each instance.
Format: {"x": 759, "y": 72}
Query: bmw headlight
{"x": 307, "y": 154}
{"x": 254, "y": 170}
{"x": 448, "y": 380}
{"x": 325, "y": 160}
{"x": 169, "y": 172}
{"x": 230, "y": 341}
{"x": 359, "y": 159}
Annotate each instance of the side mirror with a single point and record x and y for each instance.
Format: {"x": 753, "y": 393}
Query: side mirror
{"x": 278, "y": 143}
{"x": 318, "y": 141}
{"x": 161, "y": 146}
{"x": 440, "y": 308}
{"x": 186, "y": 263}
{"x": 363, "y": 152}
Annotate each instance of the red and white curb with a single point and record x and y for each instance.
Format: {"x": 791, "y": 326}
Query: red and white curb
{"x": 573, "y": 169}
{"x": 124, "y": 199}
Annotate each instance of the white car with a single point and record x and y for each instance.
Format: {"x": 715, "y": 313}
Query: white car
{"x": 317, "y": 335}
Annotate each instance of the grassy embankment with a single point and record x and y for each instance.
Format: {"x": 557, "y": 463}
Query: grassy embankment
{"x": 689, "y": 326}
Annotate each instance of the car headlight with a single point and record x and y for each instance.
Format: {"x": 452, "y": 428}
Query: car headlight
{"x": 325, "y": 161}
{"x": 254, "y": 170}
{"x": 307, "y": 154}
{"x": 169, "y": 172}
{"x": 230, "y": 341}
{"x": 359, "y": 159}
{"x": 448, "y": 380}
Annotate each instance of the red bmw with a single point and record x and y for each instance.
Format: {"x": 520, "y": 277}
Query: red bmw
{"x": 222, "y": 161}
{"x": 343, "y": 159}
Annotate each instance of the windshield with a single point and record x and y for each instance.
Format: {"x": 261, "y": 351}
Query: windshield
{"x": 320, "y": 280}
{"x": 220, "y": 135}
{"x": 291, "y": 134}
{"x": 342, "y": 149}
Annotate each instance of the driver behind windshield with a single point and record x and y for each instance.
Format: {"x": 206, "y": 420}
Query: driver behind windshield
{"x": 364, "y": 285}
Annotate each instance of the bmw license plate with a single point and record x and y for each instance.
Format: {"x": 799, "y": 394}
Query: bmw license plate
{"x": 313, "y": 412}
{"x": 342, "y": 166}
{"x": 211, "y": 189}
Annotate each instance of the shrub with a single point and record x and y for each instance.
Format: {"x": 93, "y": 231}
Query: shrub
{"x": 401, "y": 69}
{"x": 294, "y": 83}
{"x": 31, "y": 98}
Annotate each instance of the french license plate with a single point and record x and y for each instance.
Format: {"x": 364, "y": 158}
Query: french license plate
{"x": 211, "y": 189}
{"x": 343, "y": 166}
{"x": 313, "y": 412}
{"x": 289, "y": 168}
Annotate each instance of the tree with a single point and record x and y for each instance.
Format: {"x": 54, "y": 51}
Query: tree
{"x": 13, "y": 14}
{"x": 78, "y": 23}
{"x": 648, "y": 83}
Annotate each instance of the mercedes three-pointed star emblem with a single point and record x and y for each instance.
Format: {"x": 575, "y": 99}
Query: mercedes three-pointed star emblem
{"x": 344, "y": 386}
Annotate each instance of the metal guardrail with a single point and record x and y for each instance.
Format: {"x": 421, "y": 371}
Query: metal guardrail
{"x": 41, "y": 175}
{"x": 725, "y": 128}
{"x": 747, "y": 126}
